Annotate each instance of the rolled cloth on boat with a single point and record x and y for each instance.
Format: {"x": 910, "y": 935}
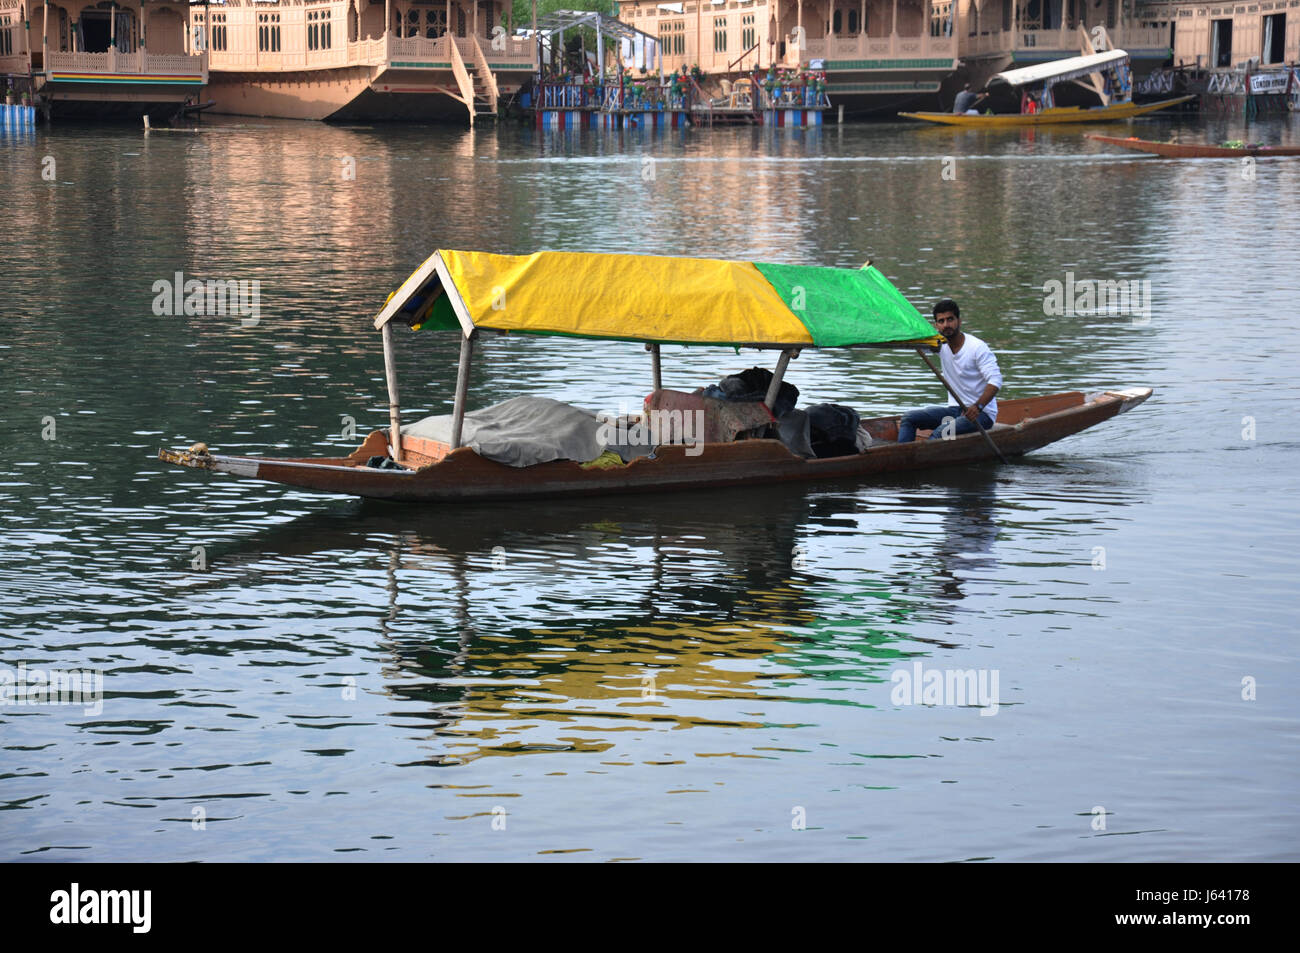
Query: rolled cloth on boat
{"x": 521, "y": 432}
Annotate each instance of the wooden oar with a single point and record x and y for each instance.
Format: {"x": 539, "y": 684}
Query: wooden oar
{"x": 992, "y": 446}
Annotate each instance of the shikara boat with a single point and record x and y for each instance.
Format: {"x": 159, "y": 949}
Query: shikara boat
{"x": 1106, "y": 76}
{"x": 1052, "y": 116}
{"x": 1178, "y": 150}
{"x": 652, "y": 301}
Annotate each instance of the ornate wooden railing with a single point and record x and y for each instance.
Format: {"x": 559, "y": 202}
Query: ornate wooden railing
{"x": 140, "y": 63}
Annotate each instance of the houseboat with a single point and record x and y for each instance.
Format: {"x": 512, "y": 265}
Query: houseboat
{"x": 1227, "y": 35}
{"x": 1235, "y": 56}
{"x": 101, "y": 58}
{"x": 361, "y": 60}
{"x": 878, "y": 56}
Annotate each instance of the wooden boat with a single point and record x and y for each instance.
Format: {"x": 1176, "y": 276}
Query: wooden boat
{"x": 1178, "y": 150}
{"x": 193, "y": 109}
{"x": 1106, "y": 76}
{"x": 692, "y": 301}
{"x": 1053, "y": 116}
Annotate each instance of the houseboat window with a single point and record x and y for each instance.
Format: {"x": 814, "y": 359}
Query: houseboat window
{"x": 941, "y": 18}
{"x": 318, "y": 29}
{"x": 6, "y": 38}
{"x": 434, "y": 23}
{"x": 1274, "y": 39}
{"x": 460, "y": 21}
{"x": 1111, "y": 13}
{"x": 218, "y": 33}
{"x": 1221, "y": 42}
{"x": 747, "y": 38}
{"x": 853, "y": 22}
{"x": 719, "y": 34}
{"x": 672, "y": 37}
{"x": 268, "y": 32}
{"x": 485, "y": 11}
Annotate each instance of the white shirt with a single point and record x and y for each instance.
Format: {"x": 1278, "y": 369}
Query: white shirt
{"x": 969, "y": 371}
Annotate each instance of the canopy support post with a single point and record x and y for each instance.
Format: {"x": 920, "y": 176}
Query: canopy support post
{"x": 394, "y": 408}
{"x": 778, "y": 375}
{"x": 462, "y": 388}
{"x": 656, "y": 377}
{"x": 979, "y": 426}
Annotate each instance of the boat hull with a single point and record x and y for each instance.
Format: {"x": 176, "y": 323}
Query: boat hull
{"x": 343, "y": 94}
{"x": 1177, "y": 150}
{"x": 1049, "y": 117}
{"x": 462, "y": 475}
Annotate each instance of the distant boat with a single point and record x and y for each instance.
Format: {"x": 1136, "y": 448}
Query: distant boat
{"x": 1178, "y": 150}
{"x": 650, "y": 301}
{"x": 1106, "y": 76}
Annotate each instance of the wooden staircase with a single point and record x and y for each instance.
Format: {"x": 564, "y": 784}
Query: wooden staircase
{"x": 485, "y": 101}
{"x": 486, "y": 94}
{"x": 475, "y": 79}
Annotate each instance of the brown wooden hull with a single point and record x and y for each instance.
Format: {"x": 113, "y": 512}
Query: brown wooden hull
{"x": 1176, "y": 150}
{"x": 462, "y": 475}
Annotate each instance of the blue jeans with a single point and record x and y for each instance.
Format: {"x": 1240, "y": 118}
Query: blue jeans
{"x": 931, "y": 418}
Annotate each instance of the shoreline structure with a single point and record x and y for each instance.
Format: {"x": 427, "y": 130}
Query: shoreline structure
{"x": 457, "y": 60}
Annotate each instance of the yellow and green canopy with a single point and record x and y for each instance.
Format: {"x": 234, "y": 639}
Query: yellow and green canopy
{"x": 657, "y": 300}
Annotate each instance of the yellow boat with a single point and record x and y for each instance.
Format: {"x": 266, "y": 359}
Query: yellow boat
{"x": 1105, "y": 76}
{"x": 1048, "y": 117}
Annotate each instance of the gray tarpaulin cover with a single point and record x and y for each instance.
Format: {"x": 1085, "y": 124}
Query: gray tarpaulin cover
{"x": 521, "y": 432}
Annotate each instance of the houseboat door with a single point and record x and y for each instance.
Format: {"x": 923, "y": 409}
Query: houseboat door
{"x": 96, "y": 31}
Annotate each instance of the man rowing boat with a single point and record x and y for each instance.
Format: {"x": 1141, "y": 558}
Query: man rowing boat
{"x": 965, "y": 102}
{"x": 973, "y": 379}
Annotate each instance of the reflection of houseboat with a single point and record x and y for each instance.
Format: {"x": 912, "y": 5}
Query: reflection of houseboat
{"x": 102, "y": 57}
{"x": 878, "y": 55}
{"x": 362, "y": 60}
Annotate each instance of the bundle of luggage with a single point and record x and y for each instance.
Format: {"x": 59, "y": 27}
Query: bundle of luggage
{"x": 822, "y": 430}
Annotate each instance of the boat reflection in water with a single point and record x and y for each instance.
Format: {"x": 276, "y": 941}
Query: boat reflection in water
{"x": 519, "y": 628}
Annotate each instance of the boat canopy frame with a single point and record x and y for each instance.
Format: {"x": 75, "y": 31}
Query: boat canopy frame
{"x": 688, "y": 301}
{"x": 1059, "y": 71}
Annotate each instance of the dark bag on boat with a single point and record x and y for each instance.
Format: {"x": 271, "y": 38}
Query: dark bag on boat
{"x": 833, "y": 430}
{"x": 752, "y": 385}
{"x": 792, "y": 430}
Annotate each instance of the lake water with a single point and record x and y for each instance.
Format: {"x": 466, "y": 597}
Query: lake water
{"x": 290, "y": 676}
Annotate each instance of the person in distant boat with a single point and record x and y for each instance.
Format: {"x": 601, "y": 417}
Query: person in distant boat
{"x": 973, "y": 376}
{"x": 965, "y": 102}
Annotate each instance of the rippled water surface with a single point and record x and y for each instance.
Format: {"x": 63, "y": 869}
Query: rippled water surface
{"x": 688, "y": 676}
